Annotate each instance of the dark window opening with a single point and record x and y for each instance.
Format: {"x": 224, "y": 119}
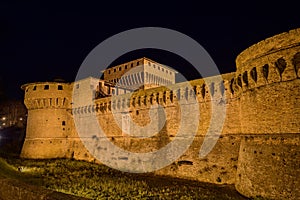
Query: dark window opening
{"x": 253, "y": 74}
{"x": 203, "y": 91}
{"x": 265, "y": 70}
{"x": 120, "y": 68}
{"x": 46, "y": 87}
{"x": 60, "y": 87}
{"x": 34, "y": 88}
{"x": 125, "y": 66}
{"x": 245, "y": 78}
{"x": 280, "y": 65}
{"x": 296, "y": 62}
{"x": 115, "y": 70}
{"x": 63, "y": 123}
{"x": 185, "y": 162}
{"x": 131, "y": 65}
{"x": 231, "y": 86}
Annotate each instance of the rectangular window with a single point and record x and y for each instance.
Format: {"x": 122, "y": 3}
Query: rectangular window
{"x": 60, "y": 87}
{"x": 34, "y": 87}
{"x": 120, "y": 68}
{"x": 63, "y": 123}
{"x": 46, "y": 87}
{"x": 108, "y": 71}
{"x": 115, "y": 70}
{"x": 125, "y": 66}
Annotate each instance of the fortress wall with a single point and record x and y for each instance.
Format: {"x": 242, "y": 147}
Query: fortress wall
{"x": 49, "y": 121}
{"x": 41, "y": 148}
{"x": 219, "y": 166}
{"x": 269, "y": 166}
{"x": 39, "y": 121}
{"x": 270, "y": 117}
{"x": 258, "y": 146}
{"x": 139, "y": 104}
{"x": 262, "y": 109}
{"x": 273, "y": 128}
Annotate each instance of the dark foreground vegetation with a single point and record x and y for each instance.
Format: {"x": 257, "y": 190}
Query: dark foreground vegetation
{"x": 100, "y": 182}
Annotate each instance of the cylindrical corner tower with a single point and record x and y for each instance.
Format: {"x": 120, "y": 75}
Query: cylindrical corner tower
{"x": 268, "y": 86}
{"x": 49, "y": 119}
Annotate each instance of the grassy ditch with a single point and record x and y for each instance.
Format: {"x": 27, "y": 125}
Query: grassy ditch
{"x": 101, "y": 182}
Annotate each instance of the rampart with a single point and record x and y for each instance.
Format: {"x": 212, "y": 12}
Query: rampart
{"x": 258, "y": 149}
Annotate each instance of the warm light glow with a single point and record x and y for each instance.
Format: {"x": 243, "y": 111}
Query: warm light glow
{"x": 3, "y": 118}
{"x": 21, "y": 119}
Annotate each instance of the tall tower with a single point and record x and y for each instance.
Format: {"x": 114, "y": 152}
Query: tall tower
{"x": 268, "y": 86}
{"x": 50, "y": 120}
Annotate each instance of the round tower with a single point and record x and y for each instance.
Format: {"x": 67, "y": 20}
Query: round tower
{"x": 49, "y": 119}
{"x": 268, "y": 86}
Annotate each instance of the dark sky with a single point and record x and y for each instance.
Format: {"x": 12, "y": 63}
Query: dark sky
{"x": 42, "y": 42}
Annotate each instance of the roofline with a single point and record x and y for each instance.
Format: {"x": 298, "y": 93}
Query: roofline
{"x": 46, "y": 82}
{"x": 143, "y": 58}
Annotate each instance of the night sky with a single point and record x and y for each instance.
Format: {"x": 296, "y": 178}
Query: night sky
{"x": 42, "y": 42}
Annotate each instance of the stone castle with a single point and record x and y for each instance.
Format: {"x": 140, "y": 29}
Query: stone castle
{"x": 257, "y": 151}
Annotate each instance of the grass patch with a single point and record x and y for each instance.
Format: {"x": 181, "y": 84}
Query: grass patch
{"x": 11, "y": 171}
{"x": 101, "y": 182}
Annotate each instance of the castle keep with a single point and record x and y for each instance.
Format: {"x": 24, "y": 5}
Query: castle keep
{"x": 258, "y": 150}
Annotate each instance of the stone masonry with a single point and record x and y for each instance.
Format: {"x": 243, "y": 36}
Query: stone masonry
{"x": 258, "y": 150}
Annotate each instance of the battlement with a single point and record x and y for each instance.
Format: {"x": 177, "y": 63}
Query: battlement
{"x": 47, "y": 95}
{"x": 205, "y": 90}
{"x": 271, "y": 45}
{"x": 270, "y": 61}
